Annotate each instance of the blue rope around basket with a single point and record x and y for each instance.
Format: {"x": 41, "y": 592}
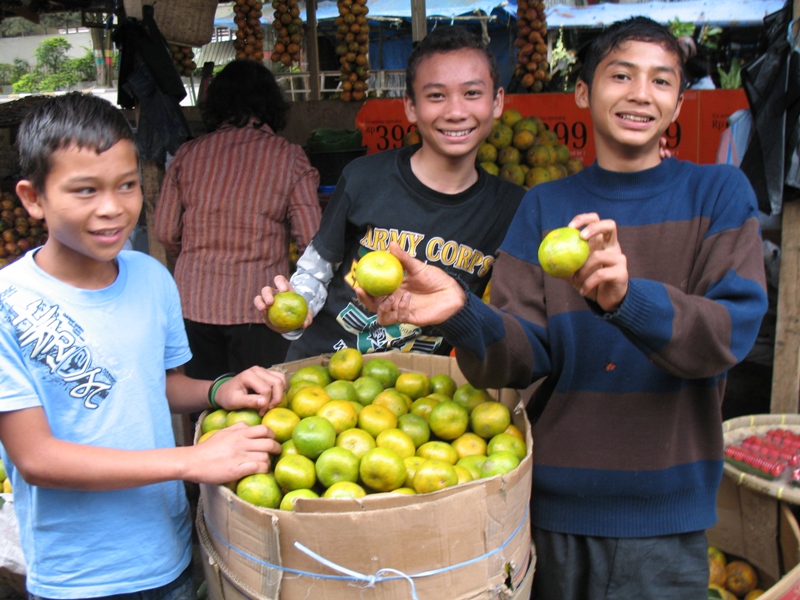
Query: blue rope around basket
{"x": 370, "y": 580}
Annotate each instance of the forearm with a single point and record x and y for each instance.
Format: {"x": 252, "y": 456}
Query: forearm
{"x": 691, "y": 336}
{"x": 186, "y": 395}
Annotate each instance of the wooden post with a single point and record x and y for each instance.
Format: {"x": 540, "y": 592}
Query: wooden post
{"x": 313, "y": 51}
{"x": 419, "y": 20}
{"x": 786, "y": 363}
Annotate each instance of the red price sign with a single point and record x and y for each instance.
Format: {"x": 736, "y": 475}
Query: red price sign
{"x": 694, "y": 136}
{"x": 383, "y": 124}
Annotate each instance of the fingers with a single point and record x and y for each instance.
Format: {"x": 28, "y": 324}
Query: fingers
{"x": 263, "y": 301}
{"x": 235, "y": 452}
{"x": 257, "y": 388}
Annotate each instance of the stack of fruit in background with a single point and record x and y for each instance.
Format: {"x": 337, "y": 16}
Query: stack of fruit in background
{"x": 357, "y": 427}
{"x": 532, "y": 67}
{"x": 249, "y": 42}
{"x": 20, "y": 231}
{"x": 731, "y": 579}
{"x": 352, "y": 35}
{"x": 522, "y": 150}
{"x": 183, "y": 58}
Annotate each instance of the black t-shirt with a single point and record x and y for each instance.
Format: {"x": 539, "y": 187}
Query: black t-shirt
{"x": 377, "y": 200}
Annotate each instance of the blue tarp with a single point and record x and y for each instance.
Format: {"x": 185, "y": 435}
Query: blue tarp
{"x": 702, "y": 12}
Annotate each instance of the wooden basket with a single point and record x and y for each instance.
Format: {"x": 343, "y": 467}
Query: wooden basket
{"x": 735, "y": 430}
{"x": 186, "y": 22}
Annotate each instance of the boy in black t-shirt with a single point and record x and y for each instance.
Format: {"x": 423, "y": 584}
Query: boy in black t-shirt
{"x": 430, "y": 198}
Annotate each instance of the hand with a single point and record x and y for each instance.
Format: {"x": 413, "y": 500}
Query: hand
{"x": 265, "y": 300}
{"x": 663, "y": 151}
{"x": 232, "y": 453}
{"x": 257, "y": 388}
{"x": 427, "y": 296}
{"x": 604, "y": 276}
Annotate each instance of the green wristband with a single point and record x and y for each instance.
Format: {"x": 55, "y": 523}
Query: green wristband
{"x": 212, "y": 390}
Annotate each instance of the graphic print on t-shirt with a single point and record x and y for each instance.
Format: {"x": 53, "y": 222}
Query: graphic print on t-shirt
{"x": 55, "y": 341}
{"x": 451, "y": 255}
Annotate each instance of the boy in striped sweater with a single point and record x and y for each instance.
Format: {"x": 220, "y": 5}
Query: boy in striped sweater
{"x": 633, "y": 349}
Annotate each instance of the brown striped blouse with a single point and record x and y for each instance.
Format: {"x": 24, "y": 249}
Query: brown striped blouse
{"x": 229, "y": 203}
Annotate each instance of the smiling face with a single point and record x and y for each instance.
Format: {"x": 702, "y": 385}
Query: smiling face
{"x": 91, "y": 203}
{"x": 454, "y": 104}
{"x": 634, "y": 97}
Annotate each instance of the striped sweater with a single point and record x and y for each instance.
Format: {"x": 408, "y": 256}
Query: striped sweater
{"x": 627, "y": 422}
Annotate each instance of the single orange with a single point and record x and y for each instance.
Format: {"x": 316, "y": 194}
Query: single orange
{"x": 562, "y": 252}
{"x": 379, "y": 273}
{"x": 341, "y": 413}
{"x": 434, "y": 475}
{"x": 382, "y": 470}
{"x": 375, "y": 418}
{"x": 288, "y": 311}
{"x": 282, "y": 422}
{"x": 448, "y": 420}
{"x": 489, "y": 419}
{"x": 382, "y": 369}
{"x": 308, "y": 400}
{"x": 414, "y": 385}
{"x": 346, "y": 364}
{"x": 358, "y": 441}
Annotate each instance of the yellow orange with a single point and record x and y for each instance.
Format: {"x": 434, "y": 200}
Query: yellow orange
{"x": 438, "y": 450}
{"x": 393, "y": 400}
{"x": 379, "y": 273}
{"x": 346, "y": 364}
{"x": 356, "y": 440}
{"x": 434, "y": 475}
{"x": 341, "y": 413}
{"x": 308, "y": 400}
{"x": 375, "y": 418}
{"x": 489, "y": 419}
{"x": 414, "y": 385}
{"x": 468, "y": 444}
{"x": 382, "y": 470}
{"x": 282, "y": 422}
{"x": 288, "y": 311}
{"x": 448, "y": 420}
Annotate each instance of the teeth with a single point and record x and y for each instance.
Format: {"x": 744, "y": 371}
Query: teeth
{"x": 635, "y": 119}
{"x": 457, "y": 133}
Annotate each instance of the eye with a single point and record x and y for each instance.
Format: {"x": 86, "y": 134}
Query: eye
{"x": 129, "y": 185}
{"x": 84, "y": 191}
{"x": 474, "y": 93}
{"x": 434, "y": 96}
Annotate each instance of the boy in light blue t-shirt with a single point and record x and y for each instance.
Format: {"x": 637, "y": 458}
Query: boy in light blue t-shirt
{"x": 91, "y": 347}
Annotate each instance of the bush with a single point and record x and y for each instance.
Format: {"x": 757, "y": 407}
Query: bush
{"x": 28, "y": 83}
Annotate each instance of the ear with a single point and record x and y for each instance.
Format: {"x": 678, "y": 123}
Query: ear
{"x": 411, "y": 109}
{"x": 31, "y": 200}
{"x": 677, "y": 108}
{"x": 497, "y": 105}
{"x": 581, "y": 94}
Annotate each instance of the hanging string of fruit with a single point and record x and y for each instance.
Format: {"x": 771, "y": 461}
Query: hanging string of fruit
{"x": 183, "y": 58}
{"x": 532, "y": 67}
{"x": 352, "y": 33}
{"x": 249, "y": 42}
{"x": 288, "y": 32}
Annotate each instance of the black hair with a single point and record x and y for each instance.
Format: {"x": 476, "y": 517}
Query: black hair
{"x": 75, "y": 118}
{"x": 448, "y": 39}
{"x": 633, "y": 29}
{"x": 245, "y": 89}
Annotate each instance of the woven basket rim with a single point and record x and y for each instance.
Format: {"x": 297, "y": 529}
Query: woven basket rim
{"x": 736, "y": 429}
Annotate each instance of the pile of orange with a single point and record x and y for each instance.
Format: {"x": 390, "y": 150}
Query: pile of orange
{"x": 360, "y": 426}
{"x": 524, "y": 151}
{"x": 731, "y": 579}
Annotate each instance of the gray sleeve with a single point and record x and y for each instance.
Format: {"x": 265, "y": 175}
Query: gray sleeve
{"x": 311, "y": 280}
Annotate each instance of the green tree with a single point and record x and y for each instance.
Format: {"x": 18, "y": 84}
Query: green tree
{"x": 83, "y": 67}
{"x": 51, "y": 54}
{"x": 28, "y": 83}
{"x": 20, "y": 68}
